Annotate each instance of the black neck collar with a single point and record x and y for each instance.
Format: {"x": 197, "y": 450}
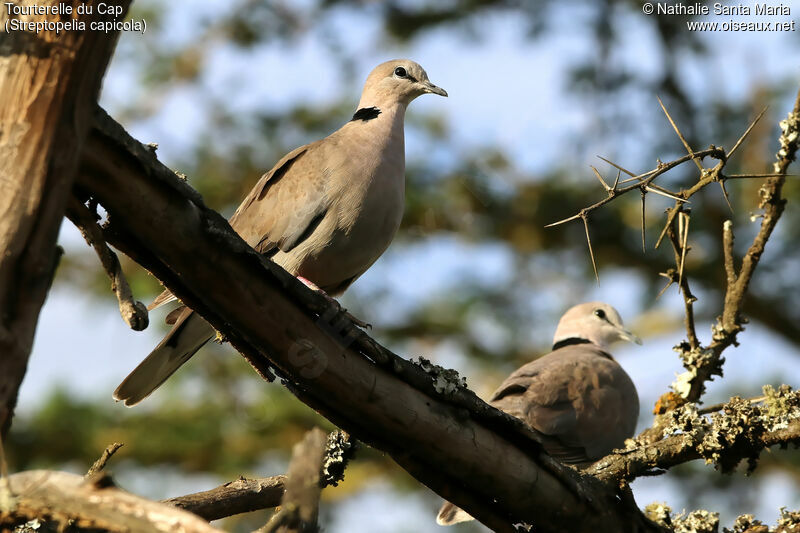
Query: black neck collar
{"x": 570, "y": 341}
{"x": 366, "y": 113}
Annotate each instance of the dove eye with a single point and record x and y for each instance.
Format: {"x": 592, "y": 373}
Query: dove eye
{"x": 599, "y": 313}
{"x": 400, "y": 72}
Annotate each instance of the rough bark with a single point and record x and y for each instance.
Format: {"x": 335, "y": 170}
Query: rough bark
{"x": 49, "y": 82}
{"x": 239, "y": 496}
{"x": 300, "y": 503}
{"x": 70, "y": 500}
{"x": 474, "y": 456}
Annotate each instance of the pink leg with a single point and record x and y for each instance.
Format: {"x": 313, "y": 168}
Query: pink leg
{"x": 310, "y": 284}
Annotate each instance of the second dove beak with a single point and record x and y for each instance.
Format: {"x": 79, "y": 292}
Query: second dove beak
{"x": 626, "y": 335}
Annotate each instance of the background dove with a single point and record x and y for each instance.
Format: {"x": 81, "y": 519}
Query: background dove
{"x": 325, "y": 212}
{"x": 577, "y": 396}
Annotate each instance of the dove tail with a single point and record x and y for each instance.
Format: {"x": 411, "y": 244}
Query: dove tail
{"x": 188, "y": 335}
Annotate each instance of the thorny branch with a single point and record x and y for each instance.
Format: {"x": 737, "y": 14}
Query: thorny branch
{"x": 739, "y": 429}
{"x": 702, "y": 363}
{"x": 709, "y": 360}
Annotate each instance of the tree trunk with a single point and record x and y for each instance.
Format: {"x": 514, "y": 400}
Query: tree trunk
{"x": 49, "y": 82}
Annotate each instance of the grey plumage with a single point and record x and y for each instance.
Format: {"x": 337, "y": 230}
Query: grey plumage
{"x": 325, "y": 212}
{"x": 577, "y": 396}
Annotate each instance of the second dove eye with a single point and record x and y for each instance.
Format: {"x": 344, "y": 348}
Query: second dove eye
{"x": 400, "y": 71}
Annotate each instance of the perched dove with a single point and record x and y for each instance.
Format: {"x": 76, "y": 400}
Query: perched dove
{"x": 577, "y": 396}
{"x": 325, "y": 212}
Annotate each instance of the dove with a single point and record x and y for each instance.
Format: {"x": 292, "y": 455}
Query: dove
{"x": 325, "y": 212}
{"x": 577, "y": 397}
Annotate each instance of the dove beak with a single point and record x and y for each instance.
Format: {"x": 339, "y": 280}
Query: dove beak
{"x": 626, "y": 335}
{"x": 428, "y": 87}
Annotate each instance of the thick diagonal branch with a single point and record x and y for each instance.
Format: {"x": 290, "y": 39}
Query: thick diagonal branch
{"x": 481, "y": 459}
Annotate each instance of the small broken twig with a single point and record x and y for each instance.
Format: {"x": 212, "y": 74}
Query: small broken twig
{"x": 100, "y": 464}
{"x": 300, "y": 502}
{"x": 235, "y": 497}
{"x": 133, "y": 312}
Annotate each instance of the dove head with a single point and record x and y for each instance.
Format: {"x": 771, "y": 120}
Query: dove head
{"x": 596, "y": 322}
{"x": 396, "y": 81}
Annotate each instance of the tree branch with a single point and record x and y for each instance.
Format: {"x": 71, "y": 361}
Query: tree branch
{"x": 739, "y": 430}
{"x": 245, "y": 495}
{"x": 238, "y": 496}
{"x": 481, "y": 459}
{"x": 730, "y": 323}
{"x": 702, "y": 363}
{"x": 69, "y": 499}
{"x": 49, "y": 81}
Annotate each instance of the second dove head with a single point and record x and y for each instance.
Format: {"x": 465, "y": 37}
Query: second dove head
{"x": 596, "y": 322}
{"x": 398, "y": 80}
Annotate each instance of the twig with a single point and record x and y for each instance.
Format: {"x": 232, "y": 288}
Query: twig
{"x": 238, "y": 496}
{"x": 644, "y": 194}
{"x": 725, "y": 194}
{"x": 133, "y": 312}
{"x": 767, "y": 175}
{"x": 720, "y": 406}
{"x": 773, "y": 204}
{"x": 651, "y": 175}
{"x": 672, "y": 212}
{"x": 666, "y": 194}
{"x": 746, "y": 133}
{"x": 591, "y": 252}
{"x": 722, "y": 439}
{"x": 679, "y": 247}
{"x": 671, "y": 279}
{"x": 680, "y": 135}
{"x": 100, "y": 464}
{"x": 620, "y": 168}
{"x": 727, "y": 250}
{"x": 300, "y": 502}
{"x": 247, "y": 495}
{"x": 602, "y": 181}
{"x": 683, "y": 224}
